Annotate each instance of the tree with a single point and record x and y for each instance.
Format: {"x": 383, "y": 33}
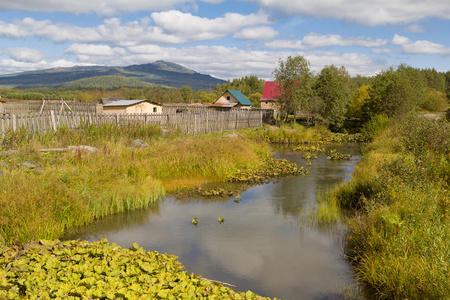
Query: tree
{"x": 360, "y": 96}
{"x": 395, "y": 92}
{"x": 333, "y": 88}
{"x": 293, "y": 78}
{"x": 186, "y": 93}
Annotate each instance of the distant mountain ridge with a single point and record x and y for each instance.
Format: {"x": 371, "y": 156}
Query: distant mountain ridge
{"x": 158, "y": 73}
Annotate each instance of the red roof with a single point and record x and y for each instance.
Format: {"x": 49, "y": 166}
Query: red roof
{"x": 271, "y": 91}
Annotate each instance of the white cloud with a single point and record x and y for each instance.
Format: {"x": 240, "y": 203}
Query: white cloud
{"x": 419, "y": 47}
{"x": 368, "y": 13}
{"x": 26, "y": 55}
{"x": 400, "y": 40}
{"x": 173, "y": 27}
{"x": 425, "y": 47}
{"x": 256, "y": 33}
{"x": 315, "y": 40}
{"x": 12, "y": 31}
{"x": 197, "y": 28}
{"x": 10, "y": 66}
{"x": 101, "y": 7}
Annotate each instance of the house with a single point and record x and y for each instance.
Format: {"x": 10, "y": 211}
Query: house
{"x": 270, "y": 96}
{"x": 232, "y": 98}
{"x": 143, "y": 106}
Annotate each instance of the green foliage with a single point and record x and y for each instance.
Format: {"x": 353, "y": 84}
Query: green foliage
{"x": 294, "y": 79}
{"x": 100, "y": 270}
{"x": 360, "y": 96}
{"x": 333, "y": 88}
{"x": 375, "y": 126}
{"x": 399, "y": 240}
{"x": 435, "y": 101}
{"x": 395, "y": 93}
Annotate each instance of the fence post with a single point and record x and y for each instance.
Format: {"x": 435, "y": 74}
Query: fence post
{"x": 14, "y": 123}
{"x": 53, "y": 120}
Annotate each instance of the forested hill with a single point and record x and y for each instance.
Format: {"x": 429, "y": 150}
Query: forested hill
{"x": 159, "y": 72}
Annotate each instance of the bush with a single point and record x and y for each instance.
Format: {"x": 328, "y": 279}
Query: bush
{"x": 434, "y": 101}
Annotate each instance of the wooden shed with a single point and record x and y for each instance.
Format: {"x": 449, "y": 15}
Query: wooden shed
{"x": 232, "y": 98}
{"x": 143, "y": 106}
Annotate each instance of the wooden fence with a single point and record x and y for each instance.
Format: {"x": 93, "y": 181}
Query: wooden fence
{"x": 191, "y": 123}
{"x": 25, "y": 107}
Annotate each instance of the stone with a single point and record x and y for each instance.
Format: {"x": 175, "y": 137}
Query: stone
{"x": 83, "y": 148}
{"x": 232, "y": 135}
{"x": 9, "y": 152}
{"x": 31, "y": 165}
{"x": 139, "y": 144}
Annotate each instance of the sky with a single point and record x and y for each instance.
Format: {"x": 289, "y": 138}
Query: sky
{"x": 224, "y": 38}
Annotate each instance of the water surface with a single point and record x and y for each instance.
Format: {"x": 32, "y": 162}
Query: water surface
{"x": 264, "y": 245}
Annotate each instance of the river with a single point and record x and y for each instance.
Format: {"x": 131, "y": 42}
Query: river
{"x": 264, "y": 245}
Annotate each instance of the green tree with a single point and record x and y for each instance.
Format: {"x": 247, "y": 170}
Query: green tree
{"x": 395, "y": 92}
{"x": 333, "y": 88}
{"x": 294, "y": 79}
{"x": 360, "y": 96}
{"x": 186, "y": 93}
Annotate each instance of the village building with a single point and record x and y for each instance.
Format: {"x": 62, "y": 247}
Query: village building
{"x": 270, "y": 96}
{"x": 142, "y": 106}
{"x": 232, "y": 99}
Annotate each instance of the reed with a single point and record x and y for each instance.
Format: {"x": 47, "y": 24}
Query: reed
{"x": 399, "y": 239}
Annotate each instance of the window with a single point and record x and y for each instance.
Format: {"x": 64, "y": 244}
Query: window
{"x": 228, "y": 98}
{"x": 154, "y": 109}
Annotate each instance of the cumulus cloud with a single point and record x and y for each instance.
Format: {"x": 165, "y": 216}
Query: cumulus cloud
{"x": 26, "y": 55}
{"x": 12, "y": 31}
{"x": 184, "y": 24}
{"x": 256, "y": 33}
{"x": 315, "y": 40}
{"x": 172, "y": 27}
{"x": 368, "y": 13}
{"x": 400, "y": 40}
{"x": 101, "y": 7}
{"x": 425, "y": 47}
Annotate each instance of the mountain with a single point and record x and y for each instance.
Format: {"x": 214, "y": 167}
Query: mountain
{"x": 159, "y": 73}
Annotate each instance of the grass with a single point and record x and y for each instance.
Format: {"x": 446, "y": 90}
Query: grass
{"x": 399, "y": 239}
{"x": 74, "y": 188}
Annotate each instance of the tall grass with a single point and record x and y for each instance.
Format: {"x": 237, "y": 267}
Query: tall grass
{"x": 74, "y": 188}
{"x": 399, "y": 240}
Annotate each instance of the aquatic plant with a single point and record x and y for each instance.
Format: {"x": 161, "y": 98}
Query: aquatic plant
{"x": 100, "y": 270}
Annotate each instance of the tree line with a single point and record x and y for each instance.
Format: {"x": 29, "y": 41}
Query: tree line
{"x": 332, "y": 95}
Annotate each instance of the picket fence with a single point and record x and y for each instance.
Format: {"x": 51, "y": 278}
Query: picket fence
{"x": 191, "y": 123}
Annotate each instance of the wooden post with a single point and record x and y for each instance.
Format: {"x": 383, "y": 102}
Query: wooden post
{"x": 14, "y": 123}
{"x": 53, "y": 120}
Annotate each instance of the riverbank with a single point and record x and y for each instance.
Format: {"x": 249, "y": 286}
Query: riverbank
{"x": 399, "y": 238}
{"x": 44, "y": 193}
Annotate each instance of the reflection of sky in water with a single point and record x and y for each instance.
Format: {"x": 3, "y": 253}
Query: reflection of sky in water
{"x": 261, "y": 246}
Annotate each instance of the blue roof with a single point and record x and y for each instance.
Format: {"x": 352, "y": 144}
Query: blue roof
{"x": 240, "y": 97}
{"x": 124, "y": 102}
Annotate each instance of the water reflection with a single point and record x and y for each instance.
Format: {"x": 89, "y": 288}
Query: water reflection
{"x": 262, "y": 245}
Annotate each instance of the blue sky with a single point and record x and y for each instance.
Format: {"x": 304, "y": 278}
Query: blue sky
{"x": 226, "y": 39}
